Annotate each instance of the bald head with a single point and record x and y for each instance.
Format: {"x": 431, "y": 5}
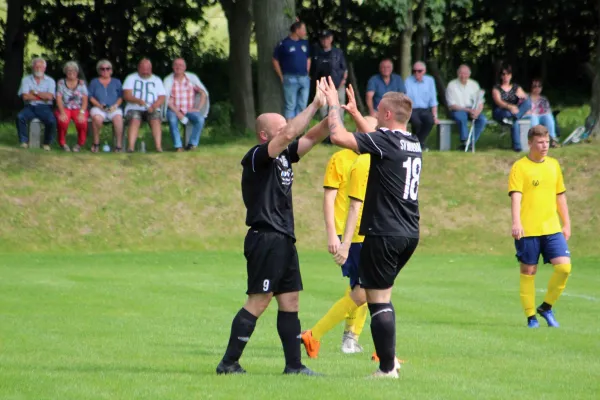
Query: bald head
{"x": 179, "y": 67}
{"x": 145, "y": 68}
{"x": 419, "y": 70}
{"x": 268, "y": 125}
{"x": 464, "y": 73}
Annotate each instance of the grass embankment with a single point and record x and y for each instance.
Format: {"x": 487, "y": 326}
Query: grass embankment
{"x": 55, "y": 202}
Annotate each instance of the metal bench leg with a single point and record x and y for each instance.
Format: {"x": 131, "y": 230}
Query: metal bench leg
{"x": 445, "y": 136}
{"x": 35, "y": 134}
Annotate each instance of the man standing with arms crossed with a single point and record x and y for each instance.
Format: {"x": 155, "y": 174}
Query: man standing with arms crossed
{"x": 390, "y": 220}
{"x": 270, "y": 251}
{"x": 537, "y": 192}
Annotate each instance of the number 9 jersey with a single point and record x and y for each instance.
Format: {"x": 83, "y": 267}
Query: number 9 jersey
{"x": 391, "y": 205}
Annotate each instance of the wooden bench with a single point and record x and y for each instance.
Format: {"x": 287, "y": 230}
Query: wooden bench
{"x": 444, "y": 129}
{"x": 36, "y": 129}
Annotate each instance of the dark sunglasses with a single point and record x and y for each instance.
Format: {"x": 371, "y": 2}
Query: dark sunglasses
{"x": 536, "y": 85}
{"x": 105, "y": 69}
{"x": 417, "y": 70}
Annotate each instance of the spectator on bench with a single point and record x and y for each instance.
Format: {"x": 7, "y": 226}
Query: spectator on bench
{"x": 421, "y": 90}
{"x": 511, "y": 104}
{"x": 187, "y": 100}
{"x": 145, "y": 94}
{"x": 37, "y": 91}
{"x": 71, "y": 104}
{"x": 541, "y": 113}
{"x": 106, "y": 96}
{"x": 381, "y": 83}
{"x": 461, "y": 95}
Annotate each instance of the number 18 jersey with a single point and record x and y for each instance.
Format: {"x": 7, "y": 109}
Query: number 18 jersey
{"x": 391, "y": 205}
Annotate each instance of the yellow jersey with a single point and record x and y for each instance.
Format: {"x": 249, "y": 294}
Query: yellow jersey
{"x": 357, "y": 187}
{"x": 336, "y": 177}
{"x": 539, "y": 183}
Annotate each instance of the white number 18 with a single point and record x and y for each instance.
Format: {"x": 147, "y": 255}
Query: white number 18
{"x": 413, "y": 173}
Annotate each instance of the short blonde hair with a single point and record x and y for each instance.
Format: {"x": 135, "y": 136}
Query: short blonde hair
{"x": 537, "y": 131}
{"x": 399, "y": 104}
{"x": 70, "y": 65}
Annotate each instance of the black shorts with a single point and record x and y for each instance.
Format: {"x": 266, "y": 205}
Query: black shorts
{"x": 272, "y": 263}
{"x": 382, "y": 258}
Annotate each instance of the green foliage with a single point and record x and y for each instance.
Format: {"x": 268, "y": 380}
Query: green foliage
{"x": 122, "y": 31}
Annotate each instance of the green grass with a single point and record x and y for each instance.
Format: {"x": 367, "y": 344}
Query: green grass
{"x": 154, "y": 325}
{"x": 119, "y": 276}
{"x": 59, "y": 202}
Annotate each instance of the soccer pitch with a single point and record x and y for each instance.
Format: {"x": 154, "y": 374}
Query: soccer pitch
{"x": 154, "y": 326}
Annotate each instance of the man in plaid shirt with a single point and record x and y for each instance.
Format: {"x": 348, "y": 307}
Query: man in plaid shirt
{"x": 187, "y": 103}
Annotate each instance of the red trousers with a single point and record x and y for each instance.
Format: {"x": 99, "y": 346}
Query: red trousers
{"x": 63, "y": 126}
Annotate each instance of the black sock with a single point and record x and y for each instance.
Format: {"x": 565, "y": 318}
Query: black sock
{"x": 288, "y": 327}
{"x": 383, "y": 330}
{"x": 530, "y": 318}
{"x": 241, "y": 329}
{"x": 545, "y": 306}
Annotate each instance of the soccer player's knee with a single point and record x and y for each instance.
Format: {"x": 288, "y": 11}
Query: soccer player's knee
{"x": 563, "y": 268}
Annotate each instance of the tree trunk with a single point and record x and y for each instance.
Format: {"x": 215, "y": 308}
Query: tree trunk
{"x": 419, "y": 44}
{"x": 354, "y": 82}
{"x": 594, "y": 117}
{"x": 14, "y": 40}
{"x": 440, "y": 83}
{"x": 239, "y": 25}
{"x": 272, "y": 20}
{"x": 344, "y": 26}
{"x": 405, "y": 53}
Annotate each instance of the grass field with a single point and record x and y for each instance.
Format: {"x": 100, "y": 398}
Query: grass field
{"x": 120, "y": 274}
{"x": 154, "y": 325}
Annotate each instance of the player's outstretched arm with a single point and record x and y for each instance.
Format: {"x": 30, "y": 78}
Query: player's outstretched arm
{"x": 362, "y": 125}
{"x": 339, "y": 135}
{"x": 296, "y": 126}
{"x": 563, "y": 211}
{"x": 351, "y": 221}
{"x": 517, "y": 227}
{"x": 314, "y": 136}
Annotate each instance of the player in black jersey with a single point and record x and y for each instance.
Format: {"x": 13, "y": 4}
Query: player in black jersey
{"x": 390, "y": 219}
{"x": 272, "y": 260}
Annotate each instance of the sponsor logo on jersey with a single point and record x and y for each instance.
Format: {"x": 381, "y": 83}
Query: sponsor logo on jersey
{"x": 410, "y": 146}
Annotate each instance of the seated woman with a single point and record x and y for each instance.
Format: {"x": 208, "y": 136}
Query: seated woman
{"x": 511, "y": 104}
{"x": 71, "y": 104}
{"x": 106, "y": 96}
{"x": 541, "y": 114}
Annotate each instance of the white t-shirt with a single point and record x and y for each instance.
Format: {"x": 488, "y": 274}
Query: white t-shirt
{"x": 147, "y": 89}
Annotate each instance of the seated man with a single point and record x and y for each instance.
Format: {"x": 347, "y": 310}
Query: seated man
{"x": 37, "y": 91}
{"x": 465, "y": 100}
{"x": 144, "y": 94}
{"x": 420, "y": 88}
{"x": 380, "y": 84}
{"x": 187, "y": 100}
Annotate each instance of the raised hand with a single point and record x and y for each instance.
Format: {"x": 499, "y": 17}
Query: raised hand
{"x": 351, "y": 104}
{"x": 330, "y": 92}
{"x": 320, "y": 100}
